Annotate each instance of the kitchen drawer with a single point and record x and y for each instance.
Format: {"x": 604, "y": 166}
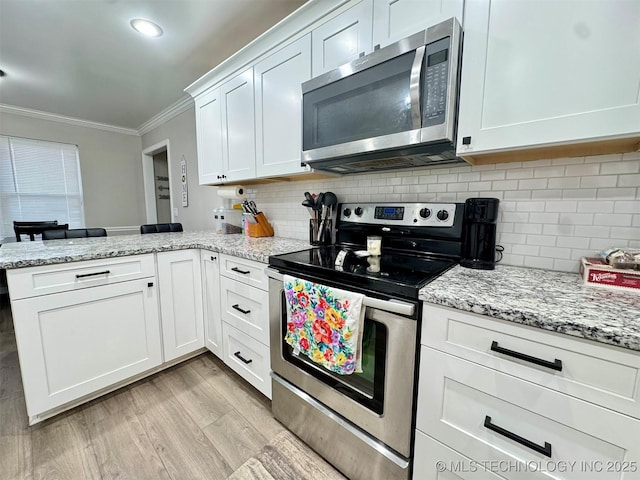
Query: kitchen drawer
{"x": 247, "y": 357}
{"x": 460, "y": 403}
{"x": 245, "y": 271}
{"x": 606, "y": 375}
{"x": 246, "y": 308}
{"x": 435, "y": 461}
{"x": 46, "y": 279}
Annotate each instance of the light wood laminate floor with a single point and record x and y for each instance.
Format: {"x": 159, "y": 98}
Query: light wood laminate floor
{"x": 197, "y": 420}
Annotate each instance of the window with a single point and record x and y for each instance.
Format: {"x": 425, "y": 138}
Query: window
{"x": 39, "y": 181}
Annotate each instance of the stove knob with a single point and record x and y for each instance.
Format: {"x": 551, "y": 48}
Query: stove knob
{"x": 346, "y": 212}
{"x": 425, "y": 212}
{"x": 443, "y": 215}
{"x": 358, "y": 211}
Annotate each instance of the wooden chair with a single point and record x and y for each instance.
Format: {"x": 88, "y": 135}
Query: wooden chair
{"x": 73, "y": 233}
{"x": 36, "y": 228}
{"x": 161, "y": 227}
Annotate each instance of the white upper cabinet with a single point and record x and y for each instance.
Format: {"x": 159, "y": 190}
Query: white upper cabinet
{"x": 396, "y": 19}
{"x": 238, "y": 129}
{"x": 343, "y": 38}
{"x": 539, "y": 74}
{"x": 279, "y": 108}
{"x": 209, "y": 137}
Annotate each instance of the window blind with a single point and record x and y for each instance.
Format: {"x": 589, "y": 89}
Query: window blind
{"x": 39, "y": 181}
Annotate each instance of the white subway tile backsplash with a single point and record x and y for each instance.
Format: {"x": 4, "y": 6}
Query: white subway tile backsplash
{"x": 548, "y": 172}
{"x": 582, "y": 170}
{"x": 580, "y": 194}
{"x": 552, "y": 211}
{"x": 623, "y": 206}
{"x": 546, "y": 194}
{"x": 544, "y": 217}
{"x": 493, "y": 175}
{"x": 629, "y": 181}
{"x": 617, "y": 193}
{"x": 599, "y": 181}
{"x": 592, "y": 231}
{"x": 576, "y": 219}
{"x": 629, "y": 166}
{"x": 540, "y": 183}
{"x": 613, "y": 219}
{"x": 564, "y": 182}
{"x": 504, "y": 185}
{"x": 542, "y": 240}
{"x": 531, "y": 206}
{"x": 596, "y": 206}
{"x": 520, "y": 174}
{"x": 538, "y": 262}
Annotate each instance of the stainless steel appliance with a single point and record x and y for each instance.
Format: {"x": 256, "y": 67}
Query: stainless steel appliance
{"x": 393, "y": 108}
{"x": 363, "y": 423}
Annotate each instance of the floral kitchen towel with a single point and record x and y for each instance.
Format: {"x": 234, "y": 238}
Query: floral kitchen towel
{"x": 325, "y": 324}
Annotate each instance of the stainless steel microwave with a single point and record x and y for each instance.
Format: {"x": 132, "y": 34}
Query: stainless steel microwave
{"x": 393, "y": 108}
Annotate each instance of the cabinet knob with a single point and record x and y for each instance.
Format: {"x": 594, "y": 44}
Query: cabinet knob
{"x": 150, "y": 284}
{"x": 466, "y": 140}
{"x": 214, "y": 258}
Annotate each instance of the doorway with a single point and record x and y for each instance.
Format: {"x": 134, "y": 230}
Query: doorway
{"x": 156, "y": 171}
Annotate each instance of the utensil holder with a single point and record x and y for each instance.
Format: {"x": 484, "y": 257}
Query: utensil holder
{"x": 316, "y": 235}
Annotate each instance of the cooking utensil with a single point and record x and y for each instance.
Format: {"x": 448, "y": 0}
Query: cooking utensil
{"x": 310, "y": 204}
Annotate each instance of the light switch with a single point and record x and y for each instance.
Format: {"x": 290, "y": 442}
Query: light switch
{"x": 175, "y": 211}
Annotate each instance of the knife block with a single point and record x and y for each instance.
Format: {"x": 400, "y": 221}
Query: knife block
{"x": 262, "y": 227}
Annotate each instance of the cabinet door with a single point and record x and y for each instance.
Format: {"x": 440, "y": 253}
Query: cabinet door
{"x": 76, "y": 343}
{"x": 209, "y": 137}
{"x": 578, "y": 81}
{"x": 238, "y": 128}
{"x": 180, "y": 302}
{"x": 343, "y": 38}
{"x": 211, "y": 302}
{"x": 279, "y": 108}
{"x": 396, "y": 19}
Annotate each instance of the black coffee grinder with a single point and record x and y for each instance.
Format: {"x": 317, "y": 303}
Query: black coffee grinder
{"x": 479, "y": 233}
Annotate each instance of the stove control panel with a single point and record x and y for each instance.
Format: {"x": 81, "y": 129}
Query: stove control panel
{"x": 400, "y": 214}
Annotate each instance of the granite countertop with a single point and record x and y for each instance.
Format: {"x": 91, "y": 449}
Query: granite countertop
{"x": 545, "y": 299}
{"x": 28, "y": 254}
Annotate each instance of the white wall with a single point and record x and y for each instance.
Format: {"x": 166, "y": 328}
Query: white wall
{"x": 552, "y": 212}
{"x": 181, "y": 133}
{"x": 109, "y": 162}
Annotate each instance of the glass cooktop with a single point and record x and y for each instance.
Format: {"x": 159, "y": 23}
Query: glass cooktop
{"x": 400, "y": 274}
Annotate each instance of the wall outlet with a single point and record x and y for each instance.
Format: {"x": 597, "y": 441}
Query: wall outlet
{"x": 175, "y": 211}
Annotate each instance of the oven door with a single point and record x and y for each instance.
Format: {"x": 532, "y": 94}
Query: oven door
{"x": 380, "y": 399}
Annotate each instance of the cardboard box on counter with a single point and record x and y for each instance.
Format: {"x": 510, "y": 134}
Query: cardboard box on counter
{"x": 595, "y": 271}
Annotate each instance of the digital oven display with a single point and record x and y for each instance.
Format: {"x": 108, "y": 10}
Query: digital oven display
{"x": 389, "y": 213}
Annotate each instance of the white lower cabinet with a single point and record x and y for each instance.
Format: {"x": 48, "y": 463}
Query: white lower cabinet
{"x": 180, "y": 284}
{"x": 211, "y": 302}
{"x": 248, "y": 357}
{"x": 244, "y": 304}
{"x": 75, "y": 343}
{"x": 516, "y": 403}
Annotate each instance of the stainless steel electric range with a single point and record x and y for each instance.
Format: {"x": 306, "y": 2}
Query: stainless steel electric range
{"x": 363, "y": 423}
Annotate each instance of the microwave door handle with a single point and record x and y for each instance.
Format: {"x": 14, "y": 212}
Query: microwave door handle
{"x": 414, "y": 88}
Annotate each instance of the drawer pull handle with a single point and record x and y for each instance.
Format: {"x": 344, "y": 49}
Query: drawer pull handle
{"x": 247, "y": 362}
{"x": 82, "y": 275}
{"x": 546, "y": 450}
{"x": 244, "y": 272}
{"x": 555, "y": 365}
{"x": 237, "y": 307}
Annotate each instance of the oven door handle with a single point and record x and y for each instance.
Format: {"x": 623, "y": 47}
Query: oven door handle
{"x": 393, "y": 305}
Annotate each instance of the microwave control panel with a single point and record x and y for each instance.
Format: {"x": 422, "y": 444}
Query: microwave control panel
{"x": 436, "y": 82}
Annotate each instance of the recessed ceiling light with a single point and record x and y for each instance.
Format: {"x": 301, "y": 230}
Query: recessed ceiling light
{"x": 146, "y": 27}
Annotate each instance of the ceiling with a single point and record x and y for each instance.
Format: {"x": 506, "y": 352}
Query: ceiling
{"x": 81, "y": 58}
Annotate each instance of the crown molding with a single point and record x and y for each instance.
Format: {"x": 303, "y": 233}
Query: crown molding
{"x": 167, "y": 114}
{"x": 27, "y": 112}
